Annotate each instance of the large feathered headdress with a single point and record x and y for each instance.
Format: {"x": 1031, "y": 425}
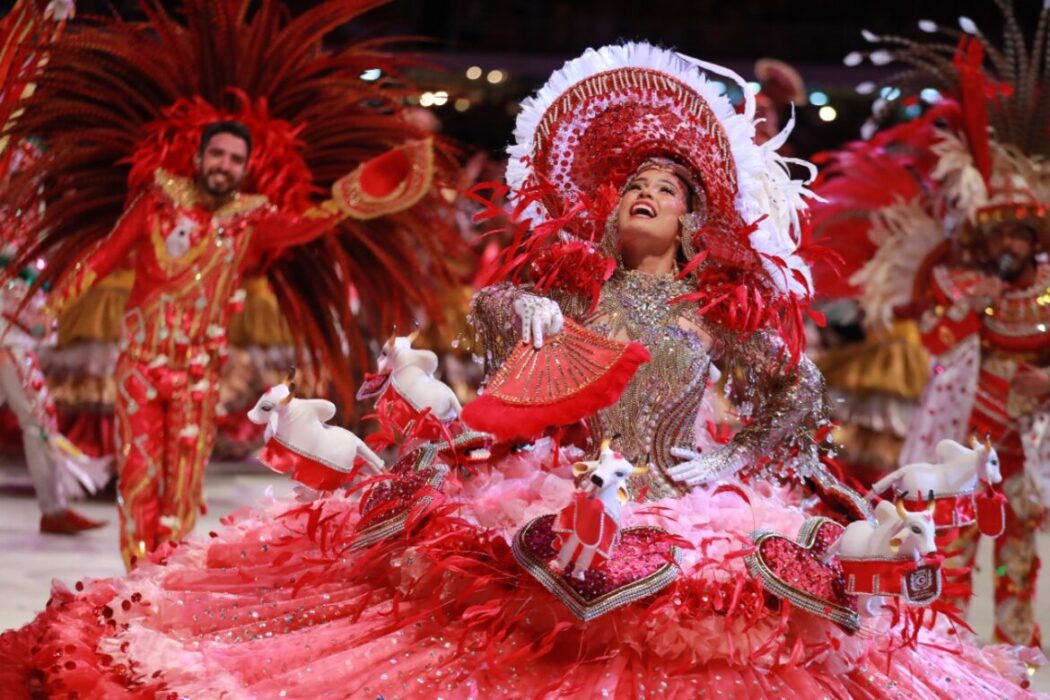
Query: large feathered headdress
{"x": 606, "y": 113}
{"x": 900, "y": 201}
{"x": 117, "y": 98}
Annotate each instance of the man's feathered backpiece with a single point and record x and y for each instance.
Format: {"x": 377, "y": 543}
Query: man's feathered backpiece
{"x": 115, "y": 99}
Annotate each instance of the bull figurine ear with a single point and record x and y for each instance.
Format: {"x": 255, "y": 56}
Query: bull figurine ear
{"x": 895, "y": 543}
{"x": 581, "y": 468}
{"x": 622, "y": 495}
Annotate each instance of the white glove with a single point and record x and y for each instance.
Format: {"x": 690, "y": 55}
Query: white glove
{"x": 539, "y": 317}
{"x": 700, "y": 468}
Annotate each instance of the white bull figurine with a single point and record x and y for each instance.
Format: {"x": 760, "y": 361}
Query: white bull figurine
{"x": 900, "y": 535}
{"x": 957, "y": 472}
{"x": 298, "y": 427}
{"x": 412, "y": 374}
{"x": 588, "y": 528}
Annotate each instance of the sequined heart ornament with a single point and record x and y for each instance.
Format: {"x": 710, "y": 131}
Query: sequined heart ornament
{"x": 387, "y": 505}
{"x": 796, "y": 571}
{"x": 416, "y": 483}
{"x": 643, "y": 562}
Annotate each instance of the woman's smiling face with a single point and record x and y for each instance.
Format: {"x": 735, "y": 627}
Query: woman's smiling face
{"x": 649, "y": 211}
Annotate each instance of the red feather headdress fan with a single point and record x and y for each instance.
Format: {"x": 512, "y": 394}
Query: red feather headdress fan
{"x": 117, "y": 99}
{"x": 595, "y": 122}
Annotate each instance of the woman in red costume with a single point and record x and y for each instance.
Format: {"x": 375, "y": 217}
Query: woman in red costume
{"x": 660, "y": 231}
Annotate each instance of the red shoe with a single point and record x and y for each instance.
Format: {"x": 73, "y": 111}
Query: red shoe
{"x": 67, "y": 522}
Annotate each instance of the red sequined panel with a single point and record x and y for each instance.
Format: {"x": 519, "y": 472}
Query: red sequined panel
{"x": 392, "y": 498}
{"x": 604, "y": 127}
{"x": 798, "y": 573}
{"x": 640, "y": 553}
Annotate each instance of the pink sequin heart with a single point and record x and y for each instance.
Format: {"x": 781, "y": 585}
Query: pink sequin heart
{"x": 386, "y": 506}
{"x": 796, "y": 571}
{"x": 643, "y": 562}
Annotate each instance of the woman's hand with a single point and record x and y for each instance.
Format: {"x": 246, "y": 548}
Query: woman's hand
{"x": 540, "y": 318}
{"x": 699, "y": 468}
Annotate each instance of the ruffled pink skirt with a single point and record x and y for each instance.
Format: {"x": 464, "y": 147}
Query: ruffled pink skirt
{"x": 275, "y": 605}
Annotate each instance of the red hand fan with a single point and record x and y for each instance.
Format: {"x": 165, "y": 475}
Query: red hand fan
{"x": 574, "y": 375}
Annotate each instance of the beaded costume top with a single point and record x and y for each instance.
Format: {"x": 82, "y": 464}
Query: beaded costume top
{"x": 780, "y": 403}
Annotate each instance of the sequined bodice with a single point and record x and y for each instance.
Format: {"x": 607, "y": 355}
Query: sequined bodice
{"x": 659, "y": 407}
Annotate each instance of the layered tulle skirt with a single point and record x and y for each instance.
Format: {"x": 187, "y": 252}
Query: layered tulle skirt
{"x": 285, "y": 602}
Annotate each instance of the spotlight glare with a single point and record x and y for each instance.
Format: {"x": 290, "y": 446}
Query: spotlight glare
{"x": 426, "y": 99}
{"x": 818, "y": 98}
{"x": 827, "y": 113}
{"x": 495, "y": 76}
{"x": 440, "y": 98}
{"x": 371, "y": 74}
{"x": 474, "y": 72}
{"x": 462, "y": 104}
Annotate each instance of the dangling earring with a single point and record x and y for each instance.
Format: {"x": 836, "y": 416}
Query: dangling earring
{"x": 610, "y": 245}
{"x": 691, "y": 223}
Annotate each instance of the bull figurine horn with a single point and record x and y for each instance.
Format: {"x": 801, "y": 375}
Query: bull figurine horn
{"x": 901, "y": 510}
{"x": 289, "y": 382}
{"x": 412, "y": 336}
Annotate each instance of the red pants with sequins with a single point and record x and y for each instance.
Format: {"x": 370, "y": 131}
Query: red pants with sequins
{"x": 165, "y": 430}
{"x": 1016, "y": 560}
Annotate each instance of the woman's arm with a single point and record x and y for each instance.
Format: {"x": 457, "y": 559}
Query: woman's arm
{"x": 782, "y": 403}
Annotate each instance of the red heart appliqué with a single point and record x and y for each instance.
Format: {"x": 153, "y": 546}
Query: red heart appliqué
{"x": 795, "y": 570}
{"x": 643, "y": 562}
{"x": 387, "y": 505}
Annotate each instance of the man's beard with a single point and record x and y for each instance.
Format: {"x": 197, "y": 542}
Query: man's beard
{"x": 222, "y": 191}
{"x": 1009, "y": 267}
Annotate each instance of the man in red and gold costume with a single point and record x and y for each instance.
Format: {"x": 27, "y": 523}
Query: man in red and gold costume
{"x": 943, "y": 219}
{"x": 197, "y": 167}
{"x": 191, "y": 240}
{"x": 989, "y": 327}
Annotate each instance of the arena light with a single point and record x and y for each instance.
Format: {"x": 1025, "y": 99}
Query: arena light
{"x": 827, "y": 113}
{"x": 818, "y": 98}
{"x": 495, "y": 76}
{"x": 474, "y": 72}
{"x": 426, "y": 99}
{"x": 440, "y": 98}
{"x": 372, "y": 74}
{"x": 462, "y": 104}
{"x": 930, "y": 95}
